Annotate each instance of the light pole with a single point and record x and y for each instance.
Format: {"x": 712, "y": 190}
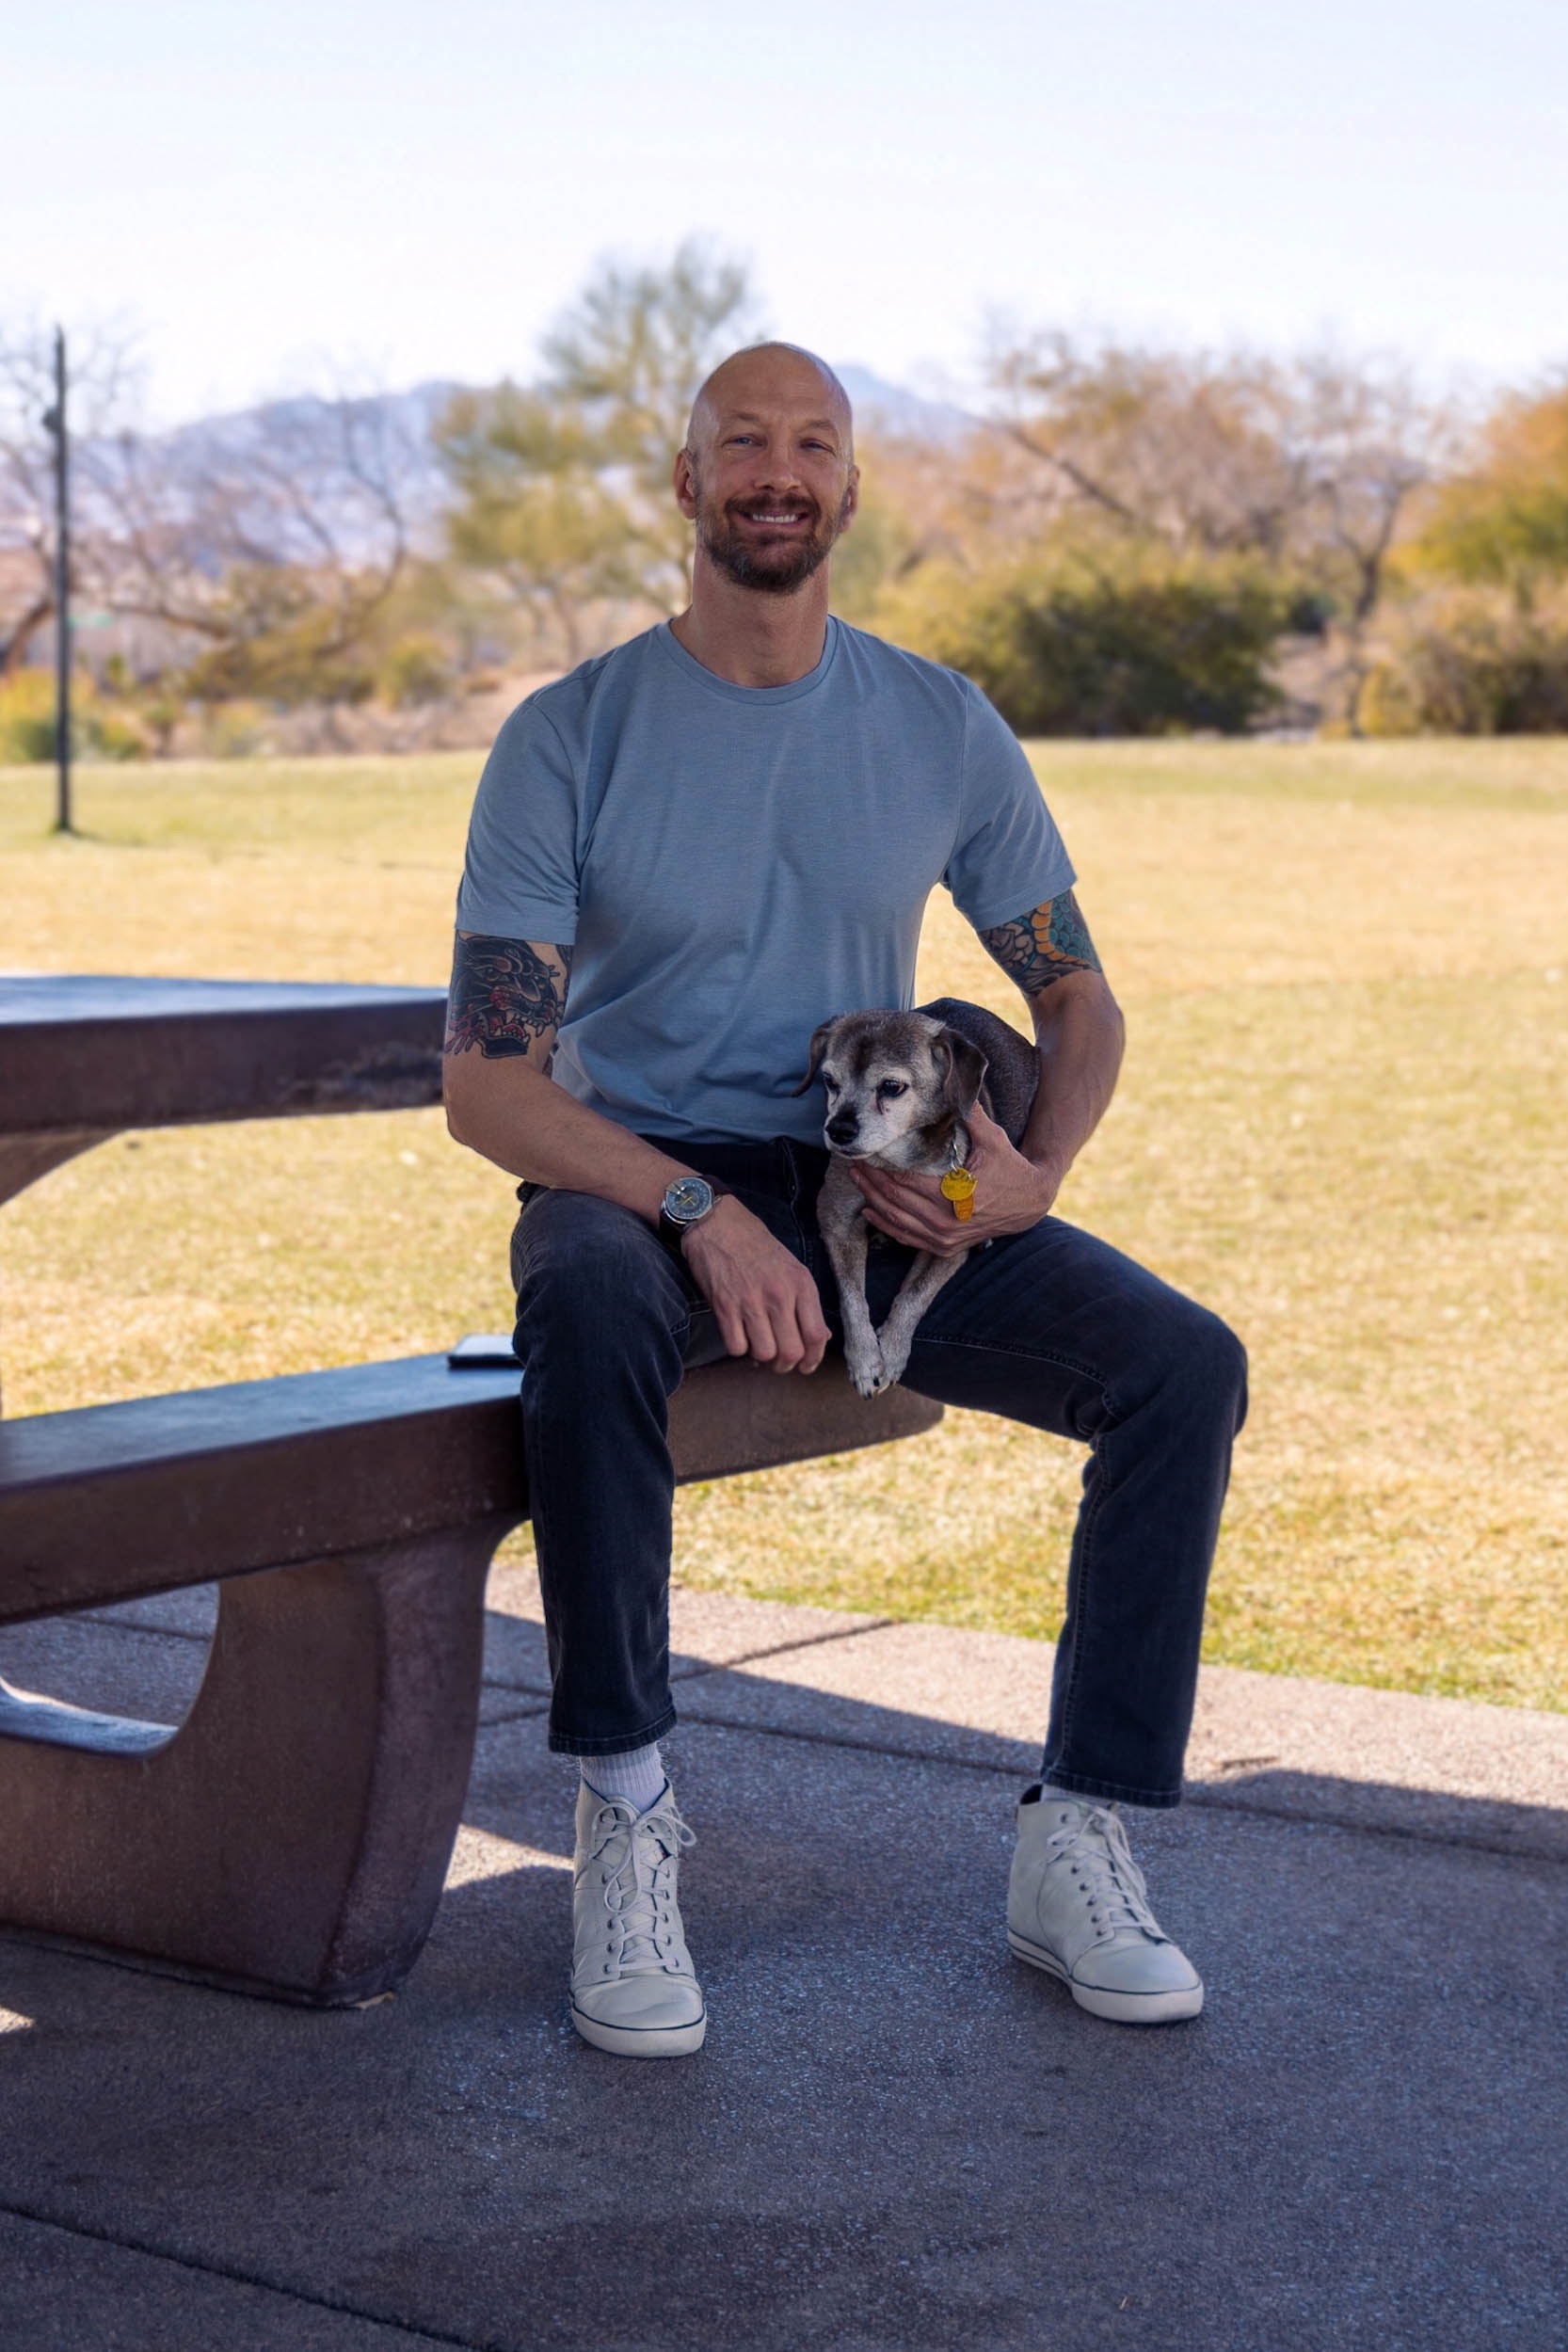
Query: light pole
{"x": 55, "y": 422}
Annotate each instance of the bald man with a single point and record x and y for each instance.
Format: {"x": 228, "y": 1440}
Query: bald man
{"x": 684, "y": 857}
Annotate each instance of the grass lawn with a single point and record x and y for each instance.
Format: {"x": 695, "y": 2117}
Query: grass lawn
{"x": 1343, "y": 1122}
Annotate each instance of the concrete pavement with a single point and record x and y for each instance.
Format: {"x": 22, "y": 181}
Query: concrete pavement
{"x": 896, "y": 2137}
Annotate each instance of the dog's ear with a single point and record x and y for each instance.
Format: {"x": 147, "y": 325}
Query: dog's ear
{"x": 962, "y": 1067}
{"x": 820, "y": 1036}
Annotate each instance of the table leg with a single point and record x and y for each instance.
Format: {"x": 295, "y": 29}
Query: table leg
{"x": 291, "y": 1837}
{"x": 26, "y": 1157}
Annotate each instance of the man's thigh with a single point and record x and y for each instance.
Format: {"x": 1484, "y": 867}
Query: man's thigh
{"x": 1054, "y": 1328}
{"x": 576, "y": 1255}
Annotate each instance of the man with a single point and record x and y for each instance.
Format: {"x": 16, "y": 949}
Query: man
{"x": 721, "y": 835}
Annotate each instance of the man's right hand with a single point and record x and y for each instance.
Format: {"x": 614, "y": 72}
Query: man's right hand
{"x": 765, "y": 1300}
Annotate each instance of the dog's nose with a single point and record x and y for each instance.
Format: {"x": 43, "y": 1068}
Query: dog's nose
{"x": 842, "y": 1127}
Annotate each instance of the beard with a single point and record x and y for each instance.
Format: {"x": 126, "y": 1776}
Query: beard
{"x": 779, "y": 566}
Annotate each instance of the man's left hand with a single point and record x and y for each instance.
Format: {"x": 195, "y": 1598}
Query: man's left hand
{"x": 1011, "y": 1194}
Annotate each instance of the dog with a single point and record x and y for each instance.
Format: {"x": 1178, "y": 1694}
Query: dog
{"x": 901, "y": 1087}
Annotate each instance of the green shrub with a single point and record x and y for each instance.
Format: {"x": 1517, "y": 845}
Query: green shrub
{"x": 1473, "y": 662}
{"x": 28, "y": 716}
{"x": 1104, "y": 642}
{"x": 99, "y": 730}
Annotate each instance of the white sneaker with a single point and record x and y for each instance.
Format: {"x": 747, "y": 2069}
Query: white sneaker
{"x": 633, "y": 1989}
{"x": 1077, "y": 1907}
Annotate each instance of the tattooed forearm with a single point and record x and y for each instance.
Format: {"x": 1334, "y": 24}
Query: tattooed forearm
{"x": 1044, "y": 946}
{"x": 505, "y": 995}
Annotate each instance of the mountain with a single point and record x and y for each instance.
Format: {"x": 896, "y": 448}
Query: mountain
{"x": 279, "y": 480}
{"x": 409, "y": 415}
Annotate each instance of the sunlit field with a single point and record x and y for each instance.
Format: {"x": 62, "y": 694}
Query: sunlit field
{"x": 1343, "y": 1122}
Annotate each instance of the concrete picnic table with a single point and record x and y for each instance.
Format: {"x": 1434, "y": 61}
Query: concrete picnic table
{"x": 289, "y": 1833}
{"x": 84, "y": 1056}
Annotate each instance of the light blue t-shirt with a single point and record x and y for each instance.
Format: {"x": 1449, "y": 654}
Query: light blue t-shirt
{"x": 733, "y": 865}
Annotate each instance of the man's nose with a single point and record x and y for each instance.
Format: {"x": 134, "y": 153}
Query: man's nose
{"x": 775, "y": 470}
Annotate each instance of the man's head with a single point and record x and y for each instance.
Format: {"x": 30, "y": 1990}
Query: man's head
{"x": 768, "y": 473}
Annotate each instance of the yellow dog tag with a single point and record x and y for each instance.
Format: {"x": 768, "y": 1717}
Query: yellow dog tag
{"x": 958, "y": 1186}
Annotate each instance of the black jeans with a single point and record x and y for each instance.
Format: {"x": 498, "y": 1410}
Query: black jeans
{"x": 1049, "y": 1327}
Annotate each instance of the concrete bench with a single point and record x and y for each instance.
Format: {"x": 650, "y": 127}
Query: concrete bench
{"x": 291, "y": 1837}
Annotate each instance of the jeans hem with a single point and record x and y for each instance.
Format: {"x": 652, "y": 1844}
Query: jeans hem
{"x": 1111, "y": 1792}
{"x": 618, "y": 1744}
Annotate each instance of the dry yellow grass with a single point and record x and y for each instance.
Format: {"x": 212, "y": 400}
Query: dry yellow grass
{"x": 1341, "y": 1123}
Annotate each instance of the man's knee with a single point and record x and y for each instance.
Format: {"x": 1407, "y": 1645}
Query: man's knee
{"x": 1211, "y": 1362}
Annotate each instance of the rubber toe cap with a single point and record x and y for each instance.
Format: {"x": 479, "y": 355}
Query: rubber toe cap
{"x": 1133, "y": 1962}
{"x": 650, "y": 2002}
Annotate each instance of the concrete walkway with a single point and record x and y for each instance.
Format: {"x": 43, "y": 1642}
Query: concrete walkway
{"x": 897, "y": 2140}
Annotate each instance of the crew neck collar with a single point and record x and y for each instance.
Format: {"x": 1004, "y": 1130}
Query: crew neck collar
{"x": 758, "y": 698}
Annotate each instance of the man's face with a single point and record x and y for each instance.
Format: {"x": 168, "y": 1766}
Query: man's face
{"x": 768, "y": 478}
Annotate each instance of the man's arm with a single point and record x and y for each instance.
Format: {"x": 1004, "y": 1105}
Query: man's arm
{"x": 507, "y": 1001}
{"x": 1078, "y": 1029}
{"x": 1080, "y": 1032}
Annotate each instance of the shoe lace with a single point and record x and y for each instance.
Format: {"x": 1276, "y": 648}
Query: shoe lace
{"x": 1094, "y": 1848}
{"x": 636, "y": 1861}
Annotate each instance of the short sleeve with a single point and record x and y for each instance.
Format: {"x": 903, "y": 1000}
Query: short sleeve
{"x": 519, "y": 874}
{"x": 1008, "y": 855}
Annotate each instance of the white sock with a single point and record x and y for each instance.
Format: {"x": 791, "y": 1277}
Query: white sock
{"x": 1051, "y": 1795}
{"x": 637, "y": 1777}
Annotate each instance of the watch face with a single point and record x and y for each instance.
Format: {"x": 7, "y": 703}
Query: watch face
{"x": 687, "y": 1200}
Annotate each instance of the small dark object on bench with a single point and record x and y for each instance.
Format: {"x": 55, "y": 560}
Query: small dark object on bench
{"x": 291, "y": 1837}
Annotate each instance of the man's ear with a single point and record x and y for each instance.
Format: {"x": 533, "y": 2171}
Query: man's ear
{"x": 961, "y": 1067}
{"x": 819, "y": 1046}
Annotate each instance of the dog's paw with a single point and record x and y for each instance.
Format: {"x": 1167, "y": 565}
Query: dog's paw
{"x": 895, "y": 1353}
{"x": 868, "y": 1375}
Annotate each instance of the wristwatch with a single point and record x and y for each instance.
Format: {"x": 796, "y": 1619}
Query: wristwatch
{"x": 688, "y": 1199}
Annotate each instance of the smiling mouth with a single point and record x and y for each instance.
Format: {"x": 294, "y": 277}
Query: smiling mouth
{"x": 781, "y": 520}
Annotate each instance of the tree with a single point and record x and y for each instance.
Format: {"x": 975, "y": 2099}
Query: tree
{"x": 272, "y": 539}
{"x": 534, "y": 509}
{"x": 1309, "y": 464}
{"x": 564, "y": 489}
{"x": 1166, "y": 445}
{"x": 1367, "y": 443}
{"x": 1502, "y": 521}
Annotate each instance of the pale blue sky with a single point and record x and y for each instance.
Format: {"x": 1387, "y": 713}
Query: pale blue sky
{"x": 414, "y": 189}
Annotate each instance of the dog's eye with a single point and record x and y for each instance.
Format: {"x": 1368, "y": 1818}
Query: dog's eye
{"x": 891, "y": 1086}
{"x": 831, "y": 1083}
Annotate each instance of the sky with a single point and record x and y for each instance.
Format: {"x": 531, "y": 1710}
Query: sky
{"x": 284, "y": 196}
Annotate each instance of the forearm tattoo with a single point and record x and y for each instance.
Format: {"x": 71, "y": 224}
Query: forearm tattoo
{"x": 504, "y": 996}
{"x": 1037, "y": 948}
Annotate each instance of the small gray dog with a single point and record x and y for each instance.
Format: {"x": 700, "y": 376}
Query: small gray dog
{"x": 900, "y": 1088}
